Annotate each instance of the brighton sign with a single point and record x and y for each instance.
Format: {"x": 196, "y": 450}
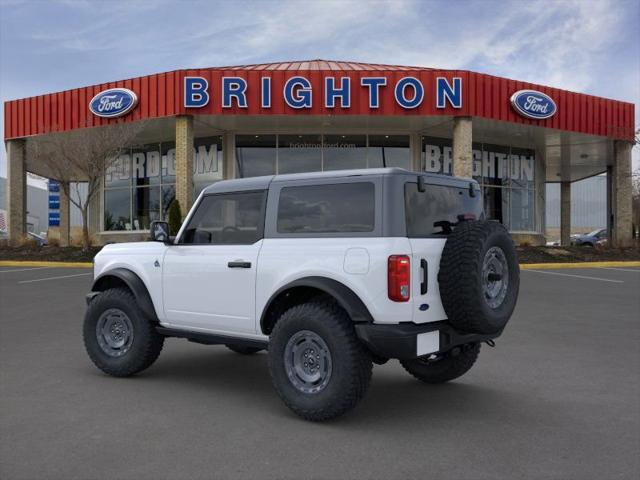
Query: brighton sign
{"x": 533, "y": 104}
{"x": 297, "y": 92}
{"x": 113, "y": 103}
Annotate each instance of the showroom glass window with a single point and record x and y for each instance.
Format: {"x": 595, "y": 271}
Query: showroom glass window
{"x": 299, "y": 153}
{"x": 207, "y": 163}
{"x": 287, "y": 153}
{"x": 506, "y": 175}
{"x": 389, "y": 151}
{"x": 255, "y": 155}
{"x": 141, "y": 183}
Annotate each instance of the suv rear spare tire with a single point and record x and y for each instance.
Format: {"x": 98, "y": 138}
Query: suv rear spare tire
{"x": 479, "y": 277}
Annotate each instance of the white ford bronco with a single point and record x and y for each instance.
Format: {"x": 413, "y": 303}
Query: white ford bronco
{"x": 330, "y": 272}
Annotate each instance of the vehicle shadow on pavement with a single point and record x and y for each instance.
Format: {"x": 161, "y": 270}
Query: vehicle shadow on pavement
{"x": 394, "y": 398}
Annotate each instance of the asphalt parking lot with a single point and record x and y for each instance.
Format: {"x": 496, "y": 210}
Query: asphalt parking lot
{"x": 556, "y": 399}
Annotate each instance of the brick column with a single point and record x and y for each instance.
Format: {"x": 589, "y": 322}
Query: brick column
{"x": 184, "y": 163}
{"x": 16, "y": 191}
{"x": 415, "y": 143}
{"x": 621, "y": 188}
{"x": 228, "y": 156}
{"x": 565, "y": 213}
{"x": 462, "y": 149}
{"x": 65, "y": 216}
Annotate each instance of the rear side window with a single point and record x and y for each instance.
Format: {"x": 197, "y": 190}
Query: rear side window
{"x": 425, "y": 210}
{"x": 337, "y": 208}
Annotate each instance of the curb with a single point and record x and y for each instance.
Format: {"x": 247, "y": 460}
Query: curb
{"x": 29, "y": 263}
{"x": 542, "y": 266}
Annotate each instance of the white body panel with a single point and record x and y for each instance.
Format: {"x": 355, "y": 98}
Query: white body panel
{"x": 358, "y": 263}
{"x": 429, "y": 249}
{"x": 140, "y": 258}
{"x": 202, "y": 292}
{"x": 192, "y": 288}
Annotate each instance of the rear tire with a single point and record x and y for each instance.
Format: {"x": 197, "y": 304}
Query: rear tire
{"x": 242, "y": 350}
{"x": 119, "y": 338}
{"x": 451, "y": 365}
{"x": 318, "y": 366}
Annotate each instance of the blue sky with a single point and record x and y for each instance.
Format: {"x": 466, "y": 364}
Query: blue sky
{"x": 581, "y": 45}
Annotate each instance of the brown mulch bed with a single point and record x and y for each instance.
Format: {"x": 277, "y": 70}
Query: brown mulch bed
{"x": 525, "y": 254}
{"x": 48, "y": 253}
{"x": 576, "y": 254}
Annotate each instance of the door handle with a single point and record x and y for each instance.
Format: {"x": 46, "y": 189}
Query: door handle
{"x": 425, "y": 276}
{"x": 239, "y": 264}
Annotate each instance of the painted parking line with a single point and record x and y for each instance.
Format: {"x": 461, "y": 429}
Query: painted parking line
{"x": 621, "y": 269}
{"x": 56, "y": 278}
{"x": 23, "y": 269}
{"x": 575, "y": 276}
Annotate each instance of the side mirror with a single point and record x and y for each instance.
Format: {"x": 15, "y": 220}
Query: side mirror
{"x": 160, "y": 232}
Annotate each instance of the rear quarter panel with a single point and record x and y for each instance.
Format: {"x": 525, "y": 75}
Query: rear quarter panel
{"x": 284, "y": 260}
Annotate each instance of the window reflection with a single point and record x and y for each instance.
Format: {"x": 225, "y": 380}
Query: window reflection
{"x": 299, "y": 153}
{"x": 389, "y": 151}
{"x": 344, "y": 151}
{"x": 255, "y": 155}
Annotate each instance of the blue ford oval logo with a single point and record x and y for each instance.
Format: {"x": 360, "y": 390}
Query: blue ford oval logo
{"x": 533, "y": 104}
{"x": 114, "y": 102}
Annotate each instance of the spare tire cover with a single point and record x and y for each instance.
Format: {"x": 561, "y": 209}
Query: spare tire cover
{"x": 479, "y": 277}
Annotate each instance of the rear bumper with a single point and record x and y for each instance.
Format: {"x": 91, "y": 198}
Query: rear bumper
{"x": 401, "y": 340}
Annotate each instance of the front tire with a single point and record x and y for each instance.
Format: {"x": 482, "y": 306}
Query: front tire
{"x": 318, "y": 367}
{"x": 442, "y": 369}
{"x": 120, "y": 340}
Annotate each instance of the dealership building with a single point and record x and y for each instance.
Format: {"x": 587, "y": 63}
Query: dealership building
{"x": 201, "y": 126}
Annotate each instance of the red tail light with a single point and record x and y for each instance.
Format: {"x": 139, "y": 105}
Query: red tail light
{"x": 399, "y": 278}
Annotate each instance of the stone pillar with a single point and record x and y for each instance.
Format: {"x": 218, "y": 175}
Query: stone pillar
{"x": 184, "y": 162}
{"x": 228, "y": 156}
{"x": 462, "y": 147}
{"x": 16, "y": 191}
{"x": 565, "y": 213}
{"x": 416, "y": 152}
{"x": 621, "y": 188}
{"x": 65, "y": 216}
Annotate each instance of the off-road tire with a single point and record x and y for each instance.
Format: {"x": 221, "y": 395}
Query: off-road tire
{"x": 461, "y": 279}
{"x": 451, "y": 365}
{"x": 146, "y": 342}
{"x": 242, "y": 350}
{"x": 351, "y": 363}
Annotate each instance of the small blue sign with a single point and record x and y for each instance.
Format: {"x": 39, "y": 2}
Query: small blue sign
{"x": 54, "y": 187}
{"x": 533, "y": 104}
{"x": 114, "y": 102}
{"x": 54, "y": 204}
{"x": 54, "y": 219}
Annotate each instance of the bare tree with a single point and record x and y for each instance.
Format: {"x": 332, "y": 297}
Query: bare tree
{"x": 635, "y": 191}
{"x": 82, "y": 156}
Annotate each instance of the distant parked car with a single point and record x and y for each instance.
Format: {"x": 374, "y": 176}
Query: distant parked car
{"x": 39, "y": 239}
{"x": 591, "y": 239}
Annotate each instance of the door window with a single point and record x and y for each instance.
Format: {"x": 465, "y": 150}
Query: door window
{"x": 228, "y": 219}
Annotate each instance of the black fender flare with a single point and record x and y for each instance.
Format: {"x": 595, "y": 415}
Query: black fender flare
{"x": 346, "y": 298}
{"x": 135, "y": 284}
